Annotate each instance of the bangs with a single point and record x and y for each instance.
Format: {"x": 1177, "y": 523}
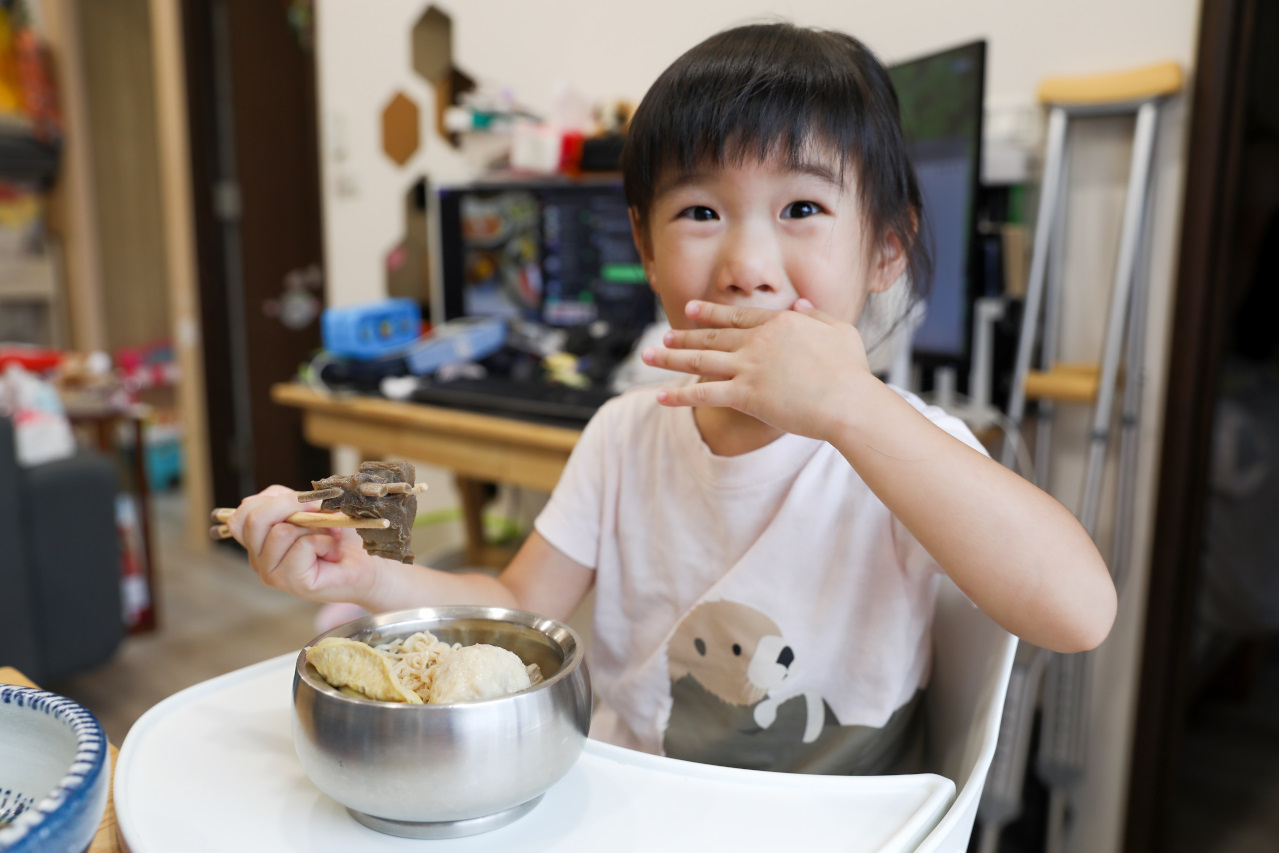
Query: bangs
{"x": 749, "y": 95}
{"x": 803, "y": 152}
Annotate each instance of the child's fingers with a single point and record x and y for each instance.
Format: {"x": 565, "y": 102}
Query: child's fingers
{"x": 279, "y": 541}
{"x": 317, "y": 567}
{"x": 288, "y": 556}
{"x": 716, "y": 365}
{"x": 728, "y": 316}
{"x": 701, "y": 394}
{"x": 258, "y": 514}
{"x": 724, "y": 340}
{"x": 295, "y": 563}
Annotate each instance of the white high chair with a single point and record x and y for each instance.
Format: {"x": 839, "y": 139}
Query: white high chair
{"x": 972, "y": 656}
{"x": 972, "y": 660}
{"x": 235, "y": 729}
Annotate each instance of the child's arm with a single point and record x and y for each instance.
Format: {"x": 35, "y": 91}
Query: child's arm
{"x": 1014, "y": 550}
{"x": 332, "y": 565}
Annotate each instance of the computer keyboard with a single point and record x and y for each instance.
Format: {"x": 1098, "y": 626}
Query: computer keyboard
{"x": 501, "y": 395}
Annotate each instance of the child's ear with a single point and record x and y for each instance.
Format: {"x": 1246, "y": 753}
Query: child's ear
{"x": 643, "y": 242}
{"x": 890, "y": 265}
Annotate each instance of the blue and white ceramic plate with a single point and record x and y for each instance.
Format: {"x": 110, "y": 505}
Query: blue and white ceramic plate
{"x": 54, "y": 774}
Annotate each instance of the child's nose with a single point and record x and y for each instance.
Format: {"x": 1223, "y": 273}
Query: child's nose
{"x": 749, "y": 266}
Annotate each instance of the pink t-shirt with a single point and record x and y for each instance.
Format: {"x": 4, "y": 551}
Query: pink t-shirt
{"x": 731, "y": 586}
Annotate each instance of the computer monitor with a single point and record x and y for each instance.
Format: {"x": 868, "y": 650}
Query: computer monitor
{"x": 941, "y": 110}
{"x": 551, "y": 250}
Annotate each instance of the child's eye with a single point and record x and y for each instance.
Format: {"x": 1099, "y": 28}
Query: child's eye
{"x": 698, "y": 213}
{"x": 801, "y": 210}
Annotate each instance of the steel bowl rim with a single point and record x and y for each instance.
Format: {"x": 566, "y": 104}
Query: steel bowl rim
{"x": 306, "y": 673}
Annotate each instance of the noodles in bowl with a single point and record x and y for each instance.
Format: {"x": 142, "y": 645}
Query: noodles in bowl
{"x": 421, "y": 669}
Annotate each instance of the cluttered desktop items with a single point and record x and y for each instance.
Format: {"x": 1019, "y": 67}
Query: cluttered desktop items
{"x": 555, "y": 259}
{"x": 540, "y": 297}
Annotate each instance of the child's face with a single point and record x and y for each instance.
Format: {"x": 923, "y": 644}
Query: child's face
{"x": 763, "y": 234}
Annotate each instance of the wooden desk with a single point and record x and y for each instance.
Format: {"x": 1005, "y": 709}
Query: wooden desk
{"x": 106, "y": 840}
{"x": 477, "y": 448}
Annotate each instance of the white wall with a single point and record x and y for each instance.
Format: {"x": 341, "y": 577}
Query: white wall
{"x": 610, "y": 50}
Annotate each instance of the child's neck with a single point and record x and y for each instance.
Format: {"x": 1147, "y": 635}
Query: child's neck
{"x": 728, "y": 432}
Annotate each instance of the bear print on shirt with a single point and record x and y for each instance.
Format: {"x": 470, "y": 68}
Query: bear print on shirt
{"x": 734, "y": 703}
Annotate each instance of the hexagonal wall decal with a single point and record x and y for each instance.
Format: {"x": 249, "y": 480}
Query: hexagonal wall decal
{"x": 433, "y": 45}
{"x": 400, "y": 138}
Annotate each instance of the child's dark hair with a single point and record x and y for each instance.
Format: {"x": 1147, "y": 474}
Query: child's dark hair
{"x": 773, "y": 90}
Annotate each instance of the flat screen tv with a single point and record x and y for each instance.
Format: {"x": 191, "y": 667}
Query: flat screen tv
{"x": 941, "y": 97}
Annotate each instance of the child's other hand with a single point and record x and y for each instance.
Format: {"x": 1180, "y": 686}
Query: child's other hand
{"x": 797, "y": 370}
{"x": 320, "y": 564}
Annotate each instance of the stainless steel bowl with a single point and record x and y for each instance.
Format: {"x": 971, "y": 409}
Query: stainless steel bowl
{"x": 443, "y": 771}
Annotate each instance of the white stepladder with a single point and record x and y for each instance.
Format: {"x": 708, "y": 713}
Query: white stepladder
{"x": 1064, "y": 678}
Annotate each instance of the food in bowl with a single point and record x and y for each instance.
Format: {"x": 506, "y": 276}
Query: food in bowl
{"x": 446, "y": 770}
{"x": 419, "y": 669}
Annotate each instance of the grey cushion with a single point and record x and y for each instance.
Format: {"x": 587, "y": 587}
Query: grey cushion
{"x": 18, "y": 640}
{"x": 61, "y": 610}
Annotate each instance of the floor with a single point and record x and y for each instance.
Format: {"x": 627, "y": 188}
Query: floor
{"x": 215, "y": 616}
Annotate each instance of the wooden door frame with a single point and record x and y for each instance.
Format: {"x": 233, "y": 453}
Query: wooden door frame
{"x": 226, "y": 76}
{"x": 1200, "y": 319}
{"x": 169, "y": 63}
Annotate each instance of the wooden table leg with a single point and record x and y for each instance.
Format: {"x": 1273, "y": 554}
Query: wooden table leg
{"x": 474, "y": 496}
{"x": 142, "y": 488}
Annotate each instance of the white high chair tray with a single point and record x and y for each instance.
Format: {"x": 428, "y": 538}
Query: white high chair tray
{"x": 213, "y": 768}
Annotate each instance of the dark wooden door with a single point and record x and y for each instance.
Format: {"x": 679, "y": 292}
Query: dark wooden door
{"x": 252, "y": 95}
{"x": 1208, "y": 260}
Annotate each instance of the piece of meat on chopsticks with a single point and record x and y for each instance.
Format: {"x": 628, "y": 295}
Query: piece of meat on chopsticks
{"x": 380, "y": 502}
{"x": 380, "y": 490}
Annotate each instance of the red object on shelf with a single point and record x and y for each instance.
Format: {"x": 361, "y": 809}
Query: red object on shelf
{"x": 35, "y": 359}
{"x": 571, "y": 152}
{"x": 149, "y": 366}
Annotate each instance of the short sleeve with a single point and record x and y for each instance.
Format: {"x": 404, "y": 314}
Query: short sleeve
{"x": 571, "y": 520}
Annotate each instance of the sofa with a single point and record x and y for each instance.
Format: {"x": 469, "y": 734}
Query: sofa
{"x": 60, "y": 599}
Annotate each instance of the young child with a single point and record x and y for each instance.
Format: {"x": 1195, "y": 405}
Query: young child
{"x": 764, "y": 537}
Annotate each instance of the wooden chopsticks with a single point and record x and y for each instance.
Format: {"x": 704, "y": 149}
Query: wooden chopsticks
{"x": 369, "y": 490}
{"x": 301, "y": 519}
{"x": 222, "y": 515}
